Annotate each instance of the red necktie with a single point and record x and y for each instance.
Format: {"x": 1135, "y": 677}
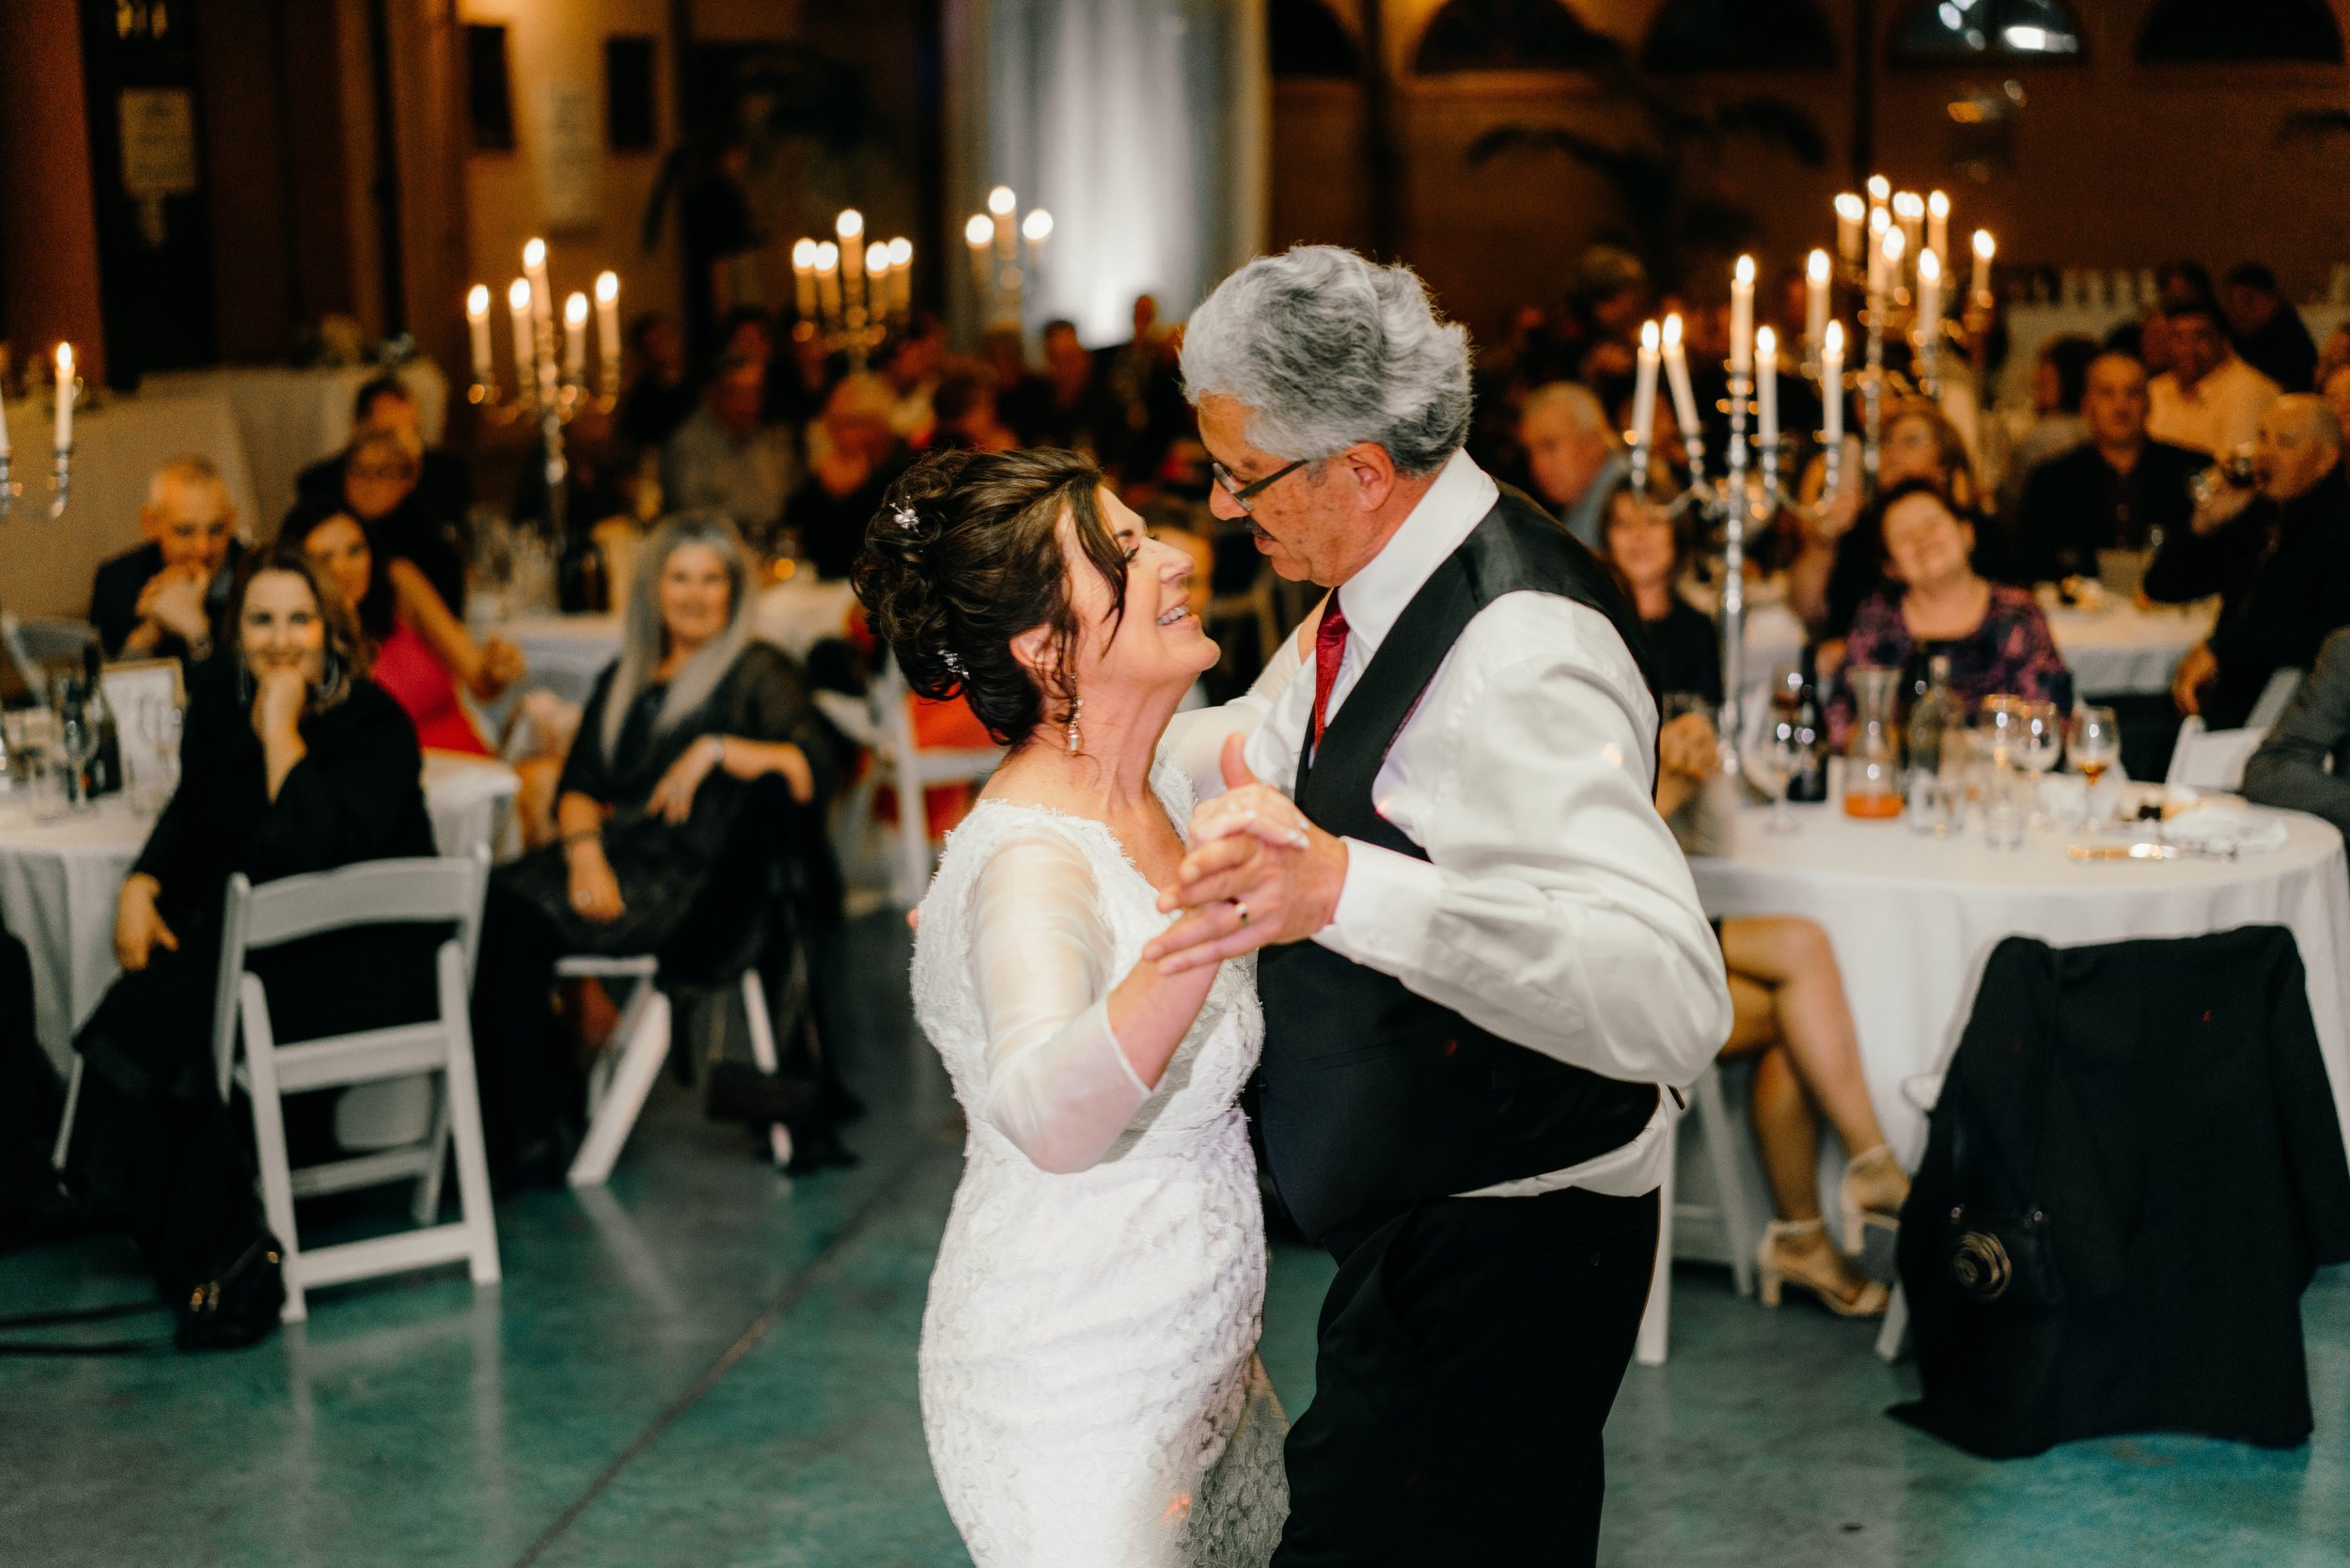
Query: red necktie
{"x": 1329, "y": 648}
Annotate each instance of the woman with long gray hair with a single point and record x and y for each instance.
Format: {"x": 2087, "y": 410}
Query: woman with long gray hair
{"x": 697, "y": 752}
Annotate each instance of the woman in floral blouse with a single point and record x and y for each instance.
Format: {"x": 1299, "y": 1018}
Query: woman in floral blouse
{"x": 1995, "y": 635}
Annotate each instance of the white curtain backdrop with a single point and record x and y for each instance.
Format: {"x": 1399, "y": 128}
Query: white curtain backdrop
{"x": 1139, "y": 124}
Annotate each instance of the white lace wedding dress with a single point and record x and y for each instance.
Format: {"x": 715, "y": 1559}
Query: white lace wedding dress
{"x": 1090, "y": 1385}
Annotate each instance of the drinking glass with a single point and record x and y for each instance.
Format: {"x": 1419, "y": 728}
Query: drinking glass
{"x": 2043, "y": 744}
{"x": 2000, "y": 721}
{"x": 2096, "y": 745}
{"x": 2003, "y": 808}
{"x": 1776, "y": 762}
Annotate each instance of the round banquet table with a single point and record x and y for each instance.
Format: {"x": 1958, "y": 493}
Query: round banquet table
{"x": 1913, "y": 918}
{"x": 58, "y": 879}
{"x": 2117, "y": 649}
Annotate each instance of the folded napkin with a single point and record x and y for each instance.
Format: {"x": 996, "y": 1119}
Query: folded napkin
{"x": 2219, "y": 828}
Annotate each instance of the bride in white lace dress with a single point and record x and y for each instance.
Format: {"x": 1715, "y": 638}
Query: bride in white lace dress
{"x": 1090, "y": 1386}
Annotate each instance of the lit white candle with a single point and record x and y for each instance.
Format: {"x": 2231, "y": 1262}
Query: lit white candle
{"x": 1742, "y": 317}
{"x": 1036, "y": 228}
{"x": 1986, "y": 247}
{"x": 541, "y": 292}
{"x": 1832, "y": 386}
{"x": 1938, "y": 226}
{"x": 518, "y": 310}
{"x": 1880, "y": 195}
{"x": 574, "y": 337}
{"x": 877, "y": 281}
{"x": 828, "y": 282}
{"x": 1929, "y": 301}
{"x": 1880, "y": 225}
{"x": 608, "y": 324}
{"x": 1815, "y": 279}
{"x": 978, "y": 234}
{"x": 65, "y": 397}
{"x": 804, "y": 278}
{"x": 478, "y": 328}
{"x": 1000, "y": 204}
{"x": 1677, "y": 374}
{"x": 1766, "y": 388}
{"x": 1644, "y": 389}
{"x": 1909, "y": 211}
{"x": 901, "y": 276}
{"x": 1852, "y": 215}
{"x": 849, "y": 226}
{"x": 1896, "y": 246}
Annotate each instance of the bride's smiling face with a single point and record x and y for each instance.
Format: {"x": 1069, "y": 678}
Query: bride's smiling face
{"x": 1158, "y": 644}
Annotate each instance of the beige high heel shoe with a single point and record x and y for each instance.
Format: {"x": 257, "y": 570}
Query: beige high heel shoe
{"x": 1872, "y": 1193}
{"x": 1841, "y": 1289}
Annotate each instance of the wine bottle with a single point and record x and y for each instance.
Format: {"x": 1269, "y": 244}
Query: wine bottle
{"x": 1806, "y": 781}
{"x": 105, "y": 768}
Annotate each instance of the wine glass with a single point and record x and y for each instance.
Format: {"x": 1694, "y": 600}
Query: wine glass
{"x": 2096, "y": 745}
{"x": 2043, "y": 743}
{"x": 1776, "y": 762}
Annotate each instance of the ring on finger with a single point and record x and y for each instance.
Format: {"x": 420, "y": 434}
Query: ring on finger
{"x": 1243, "y": 910}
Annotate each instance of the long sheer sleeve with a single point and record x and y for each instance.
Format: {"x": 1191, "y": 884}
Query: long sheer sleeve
{"x": 1058, "y": 1085}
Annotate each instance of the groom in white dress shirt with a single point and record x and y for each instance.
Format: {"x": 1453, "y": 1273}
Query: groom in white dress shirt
{"x": 1483, "y": 964}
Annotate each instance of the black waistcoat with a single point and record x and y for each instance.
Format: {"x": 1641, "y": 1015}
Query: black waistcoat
{"x": 1371, "y": 1098}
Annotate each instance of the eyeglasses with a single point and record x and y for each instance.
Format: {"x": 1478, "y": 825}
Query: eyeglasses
{"x": 1244, "y": 494}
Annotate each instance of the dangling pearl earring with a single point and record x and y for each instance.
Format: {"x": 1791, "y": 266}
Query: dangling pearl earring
{"x": 1076, "y": 706}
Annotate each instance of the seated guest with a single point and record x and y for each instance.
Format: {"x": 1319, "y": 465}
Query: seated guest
{"x": 2209, "y": 400}
{"x": 853, "y": 455}
{"x": 416, "y": 649}
{"x": 2265, "y": 332}
{"x": 659, "y": 397}
{"x": 1841, "y": 559}
{"x": 293, "y": 761}
{"x": 382, "y": 487}
{"x": 2304, "y": 764}
{"x": 1647, "y": 549}
{"x": 386, "y": 403}
{"x": 914, "y": 361}
{"x": 1571, "y": 455}
{"x": 2121, "y": 490}
{"x": 1936, "y": 604}
{"x": 1070, "y": 403}
{"x": 660, "y": 833}
{"x": 1789, "y": 1016}
{"x": 726, "y": 458}
{"x": 169, "y": 599}
{"x": 964, "y": 405}
{"x": 2059, "y": 380}
{"x": 2278, "y": 554}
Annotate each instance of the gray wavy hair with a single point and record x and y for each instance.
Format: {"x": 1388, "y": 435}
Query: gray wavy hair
{"x": 644, "y": 639}
{"x": 1326, "y": 349}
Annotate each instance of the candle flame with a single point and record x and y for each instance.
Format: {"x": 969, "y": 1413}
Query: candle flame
{"x": 1000, "y": 201}
{"x": 900, "y": 252}
{"x": 1815, "y": 266}
{"x": 1672, "y": 330}
{"x": 1832, "y": 342}
{"x": 977, "y": 233}
{"x": 1766, "y": 344}
{"x": 535, "y": 253}
{"x": 1895, "y": 242}
{"x": 1743, "y": 272}
{"x": 1037, "y": 224}
{"x": 1647, "y": 335}
{"x": 1939, "y": 203}
{"x": 1850, "y": 207}
{"x": 849, "y": 225}
{"x": 607, "y": 288}
{"x": 575, "y": 309}
{"x": 518, "y": 294}
{"x": 1879, "y": 221}
{"x": 64, "y": 364}
{"x": 877, "y": 258}
{"x": 1986, "y": 246}
{"x": 827, "y": 257}
{"x": 1879, "y": 188}
{"x": 1929, "y": 266}
{"x": 1908, "y": 204}
{"x": 477, "y": 301}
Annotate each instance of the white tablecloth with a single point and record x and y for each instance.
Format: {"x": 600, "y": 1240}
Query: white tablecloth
{"x": 2116, "y": 651}
{"x": 1913, "y": 918}
{"x": 46, "y": 566}
{"x": 58, "y": 879}
{"x": 289, "y": 418}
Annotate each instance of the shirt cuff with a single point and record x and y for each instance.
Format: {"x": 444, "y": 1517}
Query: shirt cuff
{"x": 1385, "y": 910}
{"x": 1098, "y": 1016}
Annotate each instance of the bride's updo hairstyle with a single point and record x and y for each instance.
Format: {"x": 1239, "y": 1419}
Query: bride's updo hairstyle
{"x": 965, "y": 554}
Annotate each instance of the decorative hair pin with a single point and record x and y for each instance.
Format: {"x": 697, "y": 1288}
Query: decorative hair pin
{"x": 955, "y": 666}
{"x": 907, "y": 517}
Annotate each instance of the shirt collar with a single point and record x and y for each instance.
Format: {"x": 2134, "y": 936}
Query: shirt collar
{"x": 1376, "y": 596}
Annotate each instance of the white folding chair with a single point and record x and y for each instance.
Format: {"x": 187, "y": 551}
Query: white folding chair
{"x": 911, "y": 769}
{"x": 381, "y": 893}
{"x": 2215, "y": 758}
{"x": 633, "y": 1053}
{"x": 1924, "y": 1090}
{"x": 1707, "y": 1103}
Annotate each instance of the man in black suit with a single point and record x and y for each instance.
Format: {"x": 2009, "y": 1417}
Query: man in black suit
{"x": 2279, "y": 556}
{"x": 2119, "y": 489}
{"x": 169, "y": 599}
{"x": 443, "y": 489}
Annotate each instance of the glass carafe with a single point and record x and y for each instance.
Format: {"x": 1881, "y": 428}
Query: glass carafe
{"x": 1872, "y": 758}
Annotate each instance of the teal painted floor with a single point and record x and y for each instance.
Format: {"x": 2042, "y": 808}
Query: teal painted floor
{"x": 709, "y": 1364}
